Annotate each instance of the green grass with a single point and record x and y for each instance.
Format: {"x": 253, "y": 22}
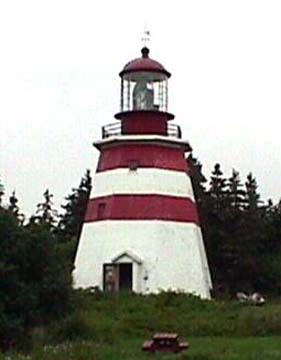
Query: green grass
{"x": 202, "y": 348}
{"x": 106, "y": 327}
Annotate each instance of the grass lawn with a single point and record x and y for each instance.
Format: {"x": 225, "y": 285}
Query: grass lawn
{"x": 209, "y": 348}
{"x": 102, "y": 327}
{"x": 203, "y": 348}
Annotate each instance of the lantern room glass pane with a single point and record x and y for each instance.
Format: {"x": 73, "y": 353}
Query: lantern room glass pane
{"x": 144, "y": 91}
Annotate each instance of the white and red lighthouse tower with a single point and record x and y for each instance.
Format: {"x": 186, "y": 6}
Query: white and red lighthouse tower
{"x": 141, "y": 229}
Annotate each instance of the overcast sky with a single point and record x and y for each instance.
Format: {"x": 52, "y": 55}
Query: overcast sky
{"x": 59, "y": 65}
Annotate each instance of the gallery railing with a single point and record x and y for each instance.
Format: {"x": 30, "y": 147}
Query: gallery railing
{"x": 115, "y": 129}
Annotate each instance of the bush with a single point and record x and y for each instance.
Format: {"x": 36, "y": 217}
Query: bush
{"x": 35, "y": 283}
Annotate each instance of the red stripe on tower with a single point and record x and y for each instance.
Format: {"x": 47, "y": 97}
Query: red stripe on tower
{"x": 141, "y": 207}
{"x": 146, "y": 156}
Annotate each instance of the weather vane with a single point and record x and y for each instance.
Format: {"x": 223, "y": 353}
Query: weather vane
{"x": 146, "y": 37}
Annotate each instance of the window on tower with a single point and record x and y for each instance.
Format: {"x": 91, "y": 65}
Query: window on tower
{"x": 133, "y": 164}
{"x": 101, "y": 211}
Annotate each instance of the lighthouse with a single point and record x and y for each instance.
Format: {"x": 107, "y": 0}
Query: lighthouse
{"x": 141, "y": 230}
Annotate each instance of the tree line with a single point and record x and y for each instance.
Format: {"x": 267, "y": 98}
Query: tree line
{"x": 36, "y": 262}
{"x": 242, "y": 233}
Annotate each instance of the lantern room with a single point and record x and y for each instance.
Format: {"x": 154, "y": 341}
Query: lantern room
{"x": 144, "y": 85}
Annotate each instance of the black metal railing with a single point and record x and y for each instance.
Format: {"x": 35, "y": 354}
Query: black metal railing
{"x": 174, "y": 131}
{"x": 115, "y": 129}
{"x": 109, "y": 130}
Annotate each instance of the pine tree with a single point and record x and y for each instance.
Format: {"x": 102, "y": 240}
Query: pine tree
{"x": 35, "y": 281}
{"x": 252, "y": 198}
{"x": 214, "y": 231}
{"x": 71, "y": 221}
{"x": 273, "y": 229}
{"x": 250, "y": 233}
{"x": 270, "y": 249}
{"x": 45, "y": 213}
{"x": 197, "y": 178}
{"x": 235, "y": 193}
{"x": 14, "y": 208}
{"x": 2, "y": 193}
{"x": 269, "y": 206}
{"x": 254, "y": 214}
{"x": 205, "y": 210}
{"x": 227, "y": 205}
{"x": 218, "y": 190}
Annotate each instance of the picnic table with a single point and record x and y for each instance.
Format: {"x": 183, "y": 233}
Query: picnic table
{"x": 165, "y": 342}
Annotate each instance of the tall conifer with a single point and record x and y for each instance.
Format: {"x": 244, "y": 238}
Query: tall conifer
{"x": 45, "y": 213}
{"x": 71, "y": 221}
{"x": 2, "y": 192}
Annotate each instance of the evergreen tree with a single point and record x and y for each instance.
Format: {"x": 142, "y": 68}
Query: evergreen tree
{"x": 205, "y": 210}
{"x": 227, "y": 198}
{"x": 35, "y": 281}
{"x": 244, "y": 228}
{"x": 45, "y": 213}
{"x": 235, "y": 193}
{"x": 12, "y": 320}
{"x": 218, "y": 191}
{"x": 252, "y": 198}
{"x": 271, "y": 249}
{"x": 273, "y": 228}
{"x": 14, "y": 208}
{"x": 2, "y": 193}
{"x": 254, "y": 232}
{"x": 71, "y": 221}
{"x": 232, "y": 248}
{"x": 213, "y": 226}
{"x": 269, "y": 207}
{"x": 46, "y": 271}
{"x": 197, "y": 178}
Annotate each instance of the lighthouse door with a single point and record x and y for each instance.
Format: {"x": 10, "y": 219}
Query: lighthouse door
{"x": 110, "y": 277}
{"x": 125, "y": 276}
{"x": 118, "y": 277}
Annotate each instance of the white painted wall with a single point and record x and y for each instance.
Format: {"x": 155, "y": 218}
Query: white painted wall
{"x": 172, "y": 252}
{"x": 143, "y": 181}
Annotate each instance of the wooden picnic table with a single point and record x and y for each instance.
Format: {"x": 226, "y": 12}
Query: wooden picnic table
{"x": 165, "y": 342}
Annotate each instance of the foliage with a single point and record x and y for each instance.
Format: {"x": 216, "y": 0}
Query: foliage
{"x": 14, "y": 208}
{"x": 36, "y": 264}
{"x": 35, "y": 283}
{"x": 2, "y": 192}
{"x": 114, "y": 327}
{"x": 240, "y": 233}
{"x": 101, "y": 315}
{"x": 74, "y": 209}
{"x": 45, "y": 213}
{"x": 71, "y": 221}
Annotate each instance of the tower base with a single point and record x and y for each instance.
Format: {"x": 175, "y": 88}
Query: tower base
{"x": 145, "y": 256}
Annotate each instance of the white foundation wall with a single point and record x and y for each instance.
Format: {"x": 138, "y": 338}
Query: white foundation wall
{"x": 142, "y": 181}
{"x": 172, "y": 255}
